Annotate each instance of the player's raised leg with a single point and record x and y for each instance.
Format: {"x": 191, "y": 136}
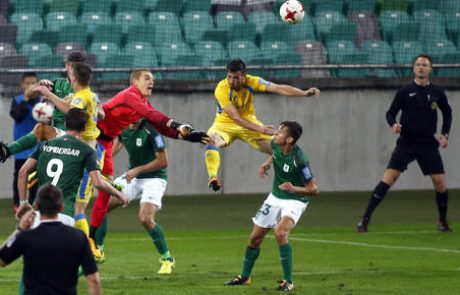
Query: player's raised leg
{"x": 212, "y": 159}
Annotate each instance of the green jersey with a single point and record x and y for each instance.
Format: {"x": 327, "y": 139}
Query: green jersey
{"x": 61, "y": 162}
{"x": 293, "y": 168}
{"x": 62, "y": 88}
{"x": 142, "y": 144}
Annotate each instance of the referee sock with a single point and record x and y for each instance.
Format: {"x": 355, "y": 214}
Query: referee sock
{"x": 250, "y": 257}
{"x": 159, "y": 241}
{"x": 81, "y": 223}
{"x": 377, "y": 196}
{"x": 441, "y": 200}
{"x": 212, "y": 159}
{"x": 286, "y": 261}
{"x": 26, "y": 142}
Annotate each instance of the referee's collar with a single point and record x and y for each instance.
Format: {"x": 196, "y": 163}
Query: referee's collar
{"x": 428, "y": 84}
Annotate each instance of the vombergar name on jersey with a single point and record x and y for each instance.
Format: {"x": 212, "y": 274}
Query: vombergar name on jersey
{"x": 61, "y": 150}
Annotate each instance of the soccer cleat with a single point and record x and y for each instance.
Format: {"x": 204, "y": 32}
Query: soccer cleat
{"x": 167, "y": 266}
{"x": 238, "y": 280}
{"x": 285, "y": 286}
{"x": 443, "y": 226}
{"x": 4, "y": 152}
{"x": 362, "y": 226}
{"x": 99, "y": 256}
{"x": 32, "y": 180}
{"x": 214, "y": 183}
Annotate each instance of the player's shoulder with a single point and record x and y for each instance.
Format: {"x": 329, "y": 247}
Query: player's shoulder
{"x": 437, "y": 88}
{"x": 407, "y": 87}
{"x": 223, "y": 85}
{"x": 300, "y": 154}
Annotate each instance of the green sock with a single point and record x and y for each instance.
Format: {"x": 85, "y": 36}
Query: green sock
{"x": 21, "y": 286}
{"x": 101, "y": 232}
{"x": 159, "y": 241}
{"x": 26, "y": 142}
{"x": 250, "y": 257}
{"x": 286, "y": 261}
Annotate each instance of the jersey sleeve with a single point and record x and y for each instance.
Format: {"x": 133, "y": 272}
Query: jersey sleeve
{"x": 157, "y": 140}
{"x": 395, "y": 107}
{"x": 36, "y": 152}
{"x": 12, "y": 249}
{"x": 91, "y": 162}
{"x": 78, "y": 102}
{"x": 305, "y": 168}
{"x": 222, "y": 95}
{"x": 257, "y": 83}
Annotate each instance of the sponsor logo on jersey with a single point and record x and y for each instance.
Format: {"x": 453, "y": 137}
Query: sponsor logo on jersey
{"x": 412, "y": 94}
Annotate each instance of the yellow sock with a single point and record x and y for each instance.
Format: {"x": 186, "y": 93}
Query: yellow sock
{"x": 212, "y": 158}
{"x": 82, "y": 223}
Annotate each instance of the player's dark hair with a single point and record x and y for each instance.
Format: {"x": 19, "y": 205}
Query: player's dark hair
{"x": 136, "y": 74}
{"x": 293, "y": 128}
{"x": 75, "y": 56}
{"x": 76, "y": 119}
{"x": 28, "y": 75}
{"x": 49, "y": 200}
{"x": 236, "y": 65}
{"x": 423, "y": 55}
{"x": 82, "y": 73}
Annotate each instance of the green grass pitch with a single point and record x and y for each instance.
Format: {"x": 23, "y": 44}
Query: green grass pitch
{"x": 403, "y": 253}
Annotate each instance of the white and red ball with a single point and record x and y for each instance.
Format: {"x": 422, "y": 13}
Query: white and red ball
{"x": 43, "y": 112}
{"x": 292, "y": 12}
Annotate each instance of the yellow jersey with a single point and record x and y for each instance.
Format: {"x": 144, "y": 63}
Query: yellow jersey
{"x": 242, "y": 99}
{"x": 86, "y": 100}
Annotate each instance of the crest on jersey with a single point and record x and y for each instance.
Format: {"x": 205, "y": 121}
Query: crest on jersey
{"x": 139, "y": 141}
{"x": 286, "y": 168}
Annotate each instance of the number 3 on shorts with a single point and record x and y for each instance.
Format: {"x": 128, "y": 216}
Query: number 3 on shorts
{"x": 265, "y": 209}
{"x": 54, "y": 173}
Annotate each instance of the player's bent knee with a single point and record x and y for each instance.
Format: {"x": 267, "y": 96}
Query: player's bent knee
{"x": 281, "y": 236}
{"x": 147, "y": 221}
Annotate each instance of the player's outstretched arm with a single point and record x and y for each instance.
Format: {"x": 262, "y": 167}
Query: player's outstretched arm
{"x": 288, "y": 90}
{"x": 23, "y": 173}
{"x": 236, "y": 117}
{"x": 161, "y": 161}
{"x": 265, "y": 166}
{"x": 106, "y": 187}
{"x": 310, "y": 188}
{"x": 61, "y": 104}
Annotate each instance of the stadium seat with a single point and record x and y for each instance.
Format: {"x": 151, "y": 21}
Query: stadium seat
{"x": 73, "y": 33}
{"x": 27, "y": 23}
{"x": 186, "y": 60}
{"x": 431, "y": 24}
{"x": 367, "y": 27}
{"x": 7, "y": 49}
{"x": 272, "y": 49}
{"x": 361, "y": 6}
{"x": 245, "y": 50}
{"x": 302, "y": 31}
{"x": 312, "y": 53}
{"x": 44, "y": 36}
{"x": 35, "y": 50}
{"x": 149, "y": 6}
{"x": 9, "y": 33}
{"x": 130, "y": 6}
{"x": 275, "y": 32}
{"x": 449, "y": 6}
{"x": 170, "y": 51}
{"x": 426, "y": 4}
{"x": 128, "y": 19}
{"x": 210, "y": 51}
{"x": 448, "y": 58}
{"x": 379, "y": 52}
{"x": 337, "y": 50}
{"x": 197, "y": 6}
{"x": 115, "y": 61}
{"x": 103, "y": 50}
{"x": 217, "y": 35}
{"x": 174, "y": 6}
{"x": 107, "y": 34}
{"x": 195, "y": 23}
{"x": 390, "y": 19}
{"x": 70, "y": 6}
{"x": 32, "y": 6}
{"x": 401, "y": 5}
{"x": 3, "y": 19}
{"x": 408, "y": 31}
{"x": 145, "y": 56}
{"x": 352, "y": 59}
{"x": 14, "y": 61}
{"x": 64, "y": 49}
{"x": 320, "y": 6}
{"x": 325, "y": 20}
{"x": 261, "y": 19}
{"x": 140, "y": 34}
{"x": 94, "y": 19}
{"x": 438, "y": 48}
{"x": 240, "y": 32}
{"x": 226, "y": 19}
{"x": 57, "y": 20}
{"x": 404, "y": 53}
{"x": 167, "y": 28}
{"x": 453, "y": 24}
{"x": 341, "y": 31}
{"x": 264, "y": 73}
{"x": 288, "y": 59}
{"x": 97, "y": 7}
{"x": 4, "y": 8}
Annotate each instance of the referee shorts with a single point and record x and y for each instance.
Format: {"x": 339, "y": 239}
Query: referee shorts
{"x": 428, "y": 158}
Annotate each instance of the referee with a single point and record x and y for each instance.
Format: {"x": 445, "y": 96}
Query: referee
{"x": 418, "y": 102}
{"x": 52, "y": 252}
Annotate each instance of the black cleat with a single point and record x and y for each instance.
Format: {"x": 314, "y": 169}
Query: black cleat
{"x": 214, "y": 183}
{"x": 362, "y": 226}
{"x": 4, "y": 152}
{"x": 238, "y": 280}
{"x": 285, "y": 286}
{"x": 443, "y": 227}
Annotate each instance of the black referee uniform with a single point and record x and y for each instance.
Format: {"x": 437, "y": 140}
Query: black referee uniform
{"x": 52, "y": 253}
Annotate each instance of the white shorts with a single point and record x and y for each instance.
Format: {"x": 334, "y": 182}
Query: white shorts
{"x": 273, "y": 209}
{"x": 65, "y": 219}
{"x": 148, "y": 190}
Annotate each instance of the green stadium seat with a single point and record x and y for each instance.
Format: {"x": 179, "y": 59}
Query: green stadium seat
{"x": 320, "y": 6}
{"x": 128, "y": 19}
{"x": 244, "y": 50}
{"x": 167, "y": 28}
{"x": 448, "y": 58}
{"x": 27, "y": 23}
{"x": 140, "y": 34}
{"x": 453, "y": 24}
{"x": 440, "y": 47}
{"x": 361, "y": 5}
{"x": 261, "y": 19}
{"x": 326, "y": 19}
{"x": 390, "y": 19}
{"x": 288, "y": 59}
{"x": 57, "y": 20}
{"x": 303, "y": 31}
{"x": 44, "y": 36}
{"x": 116, "y": 61}
{"x": 34, "y": 51}
{"x": 210, "y": 51}
{"x": 240, "y": 32}
{"x": 273, "y": 49}
{"x": 379, "y": 52}
{"x": 449, "y": 6}
{"x": 31, "y": 6}
{"x": 341, "y": 31}
{"x": 352, "y": 59}
{"x": 70, "y": 6}
{"x": 103, "y": 50}
{"x": 195, "y": 23}
{"x": 426, "y": 4}
{"x": 145, "y": 56}
{"x": 73, "y": 33}
{"x": 97, "y": 7}
{"x": 401, "y": 5}
{"x": 217, "y": 35}
{"x": 108, "y": 34}
{"x": 198, "y": 6}
{"x": 7, "y": 49}
{"x": 431, "y": 24}
{"x": 95, "y": 19}
{"x": 125, "y": 6}
{"x": 337, "y": 50}
{"x": 226, "y": 19}
{"x": 264, "y": 73}
{"x": 64, "y": 49}
{"x": 275, "y": 32}
{"x": 47, "y": 61}
{"x": 405, "y": 52}
{"x": 174, "y": 6}
{"x": 170, "y": 51}
{"x": 149, "y": 5}
{"x": 187, "y": 60}
{"x": 409, "y": 31}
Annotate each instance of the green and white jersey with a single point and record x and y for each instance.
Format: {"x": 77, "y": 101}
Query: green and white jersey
{"x": 61, "y": 162}
{"x": 62, "y": 88}
{"x": 293, "y": 168}
{"x": 142, "y": 144}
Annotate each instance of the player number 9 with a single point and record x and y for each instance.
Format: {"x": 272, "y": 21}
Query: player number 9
{"x": 54, "y": 173}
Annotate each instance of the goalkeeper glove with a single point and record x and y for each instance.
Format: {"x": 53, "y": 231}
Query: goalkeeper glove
{"x": 183, "y": 129}
{"x": 197, "y": 136}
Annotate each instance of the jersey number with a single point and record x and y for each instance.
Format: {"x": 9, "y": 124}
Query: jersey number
{"x": 54, "y": 170}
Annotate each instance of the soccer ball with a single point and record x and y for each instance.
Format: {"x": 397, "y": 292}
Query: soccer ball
{"x": 43, "y": 112}
{"x": 292, "y": 12}
{"x": 120, "y": 183}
